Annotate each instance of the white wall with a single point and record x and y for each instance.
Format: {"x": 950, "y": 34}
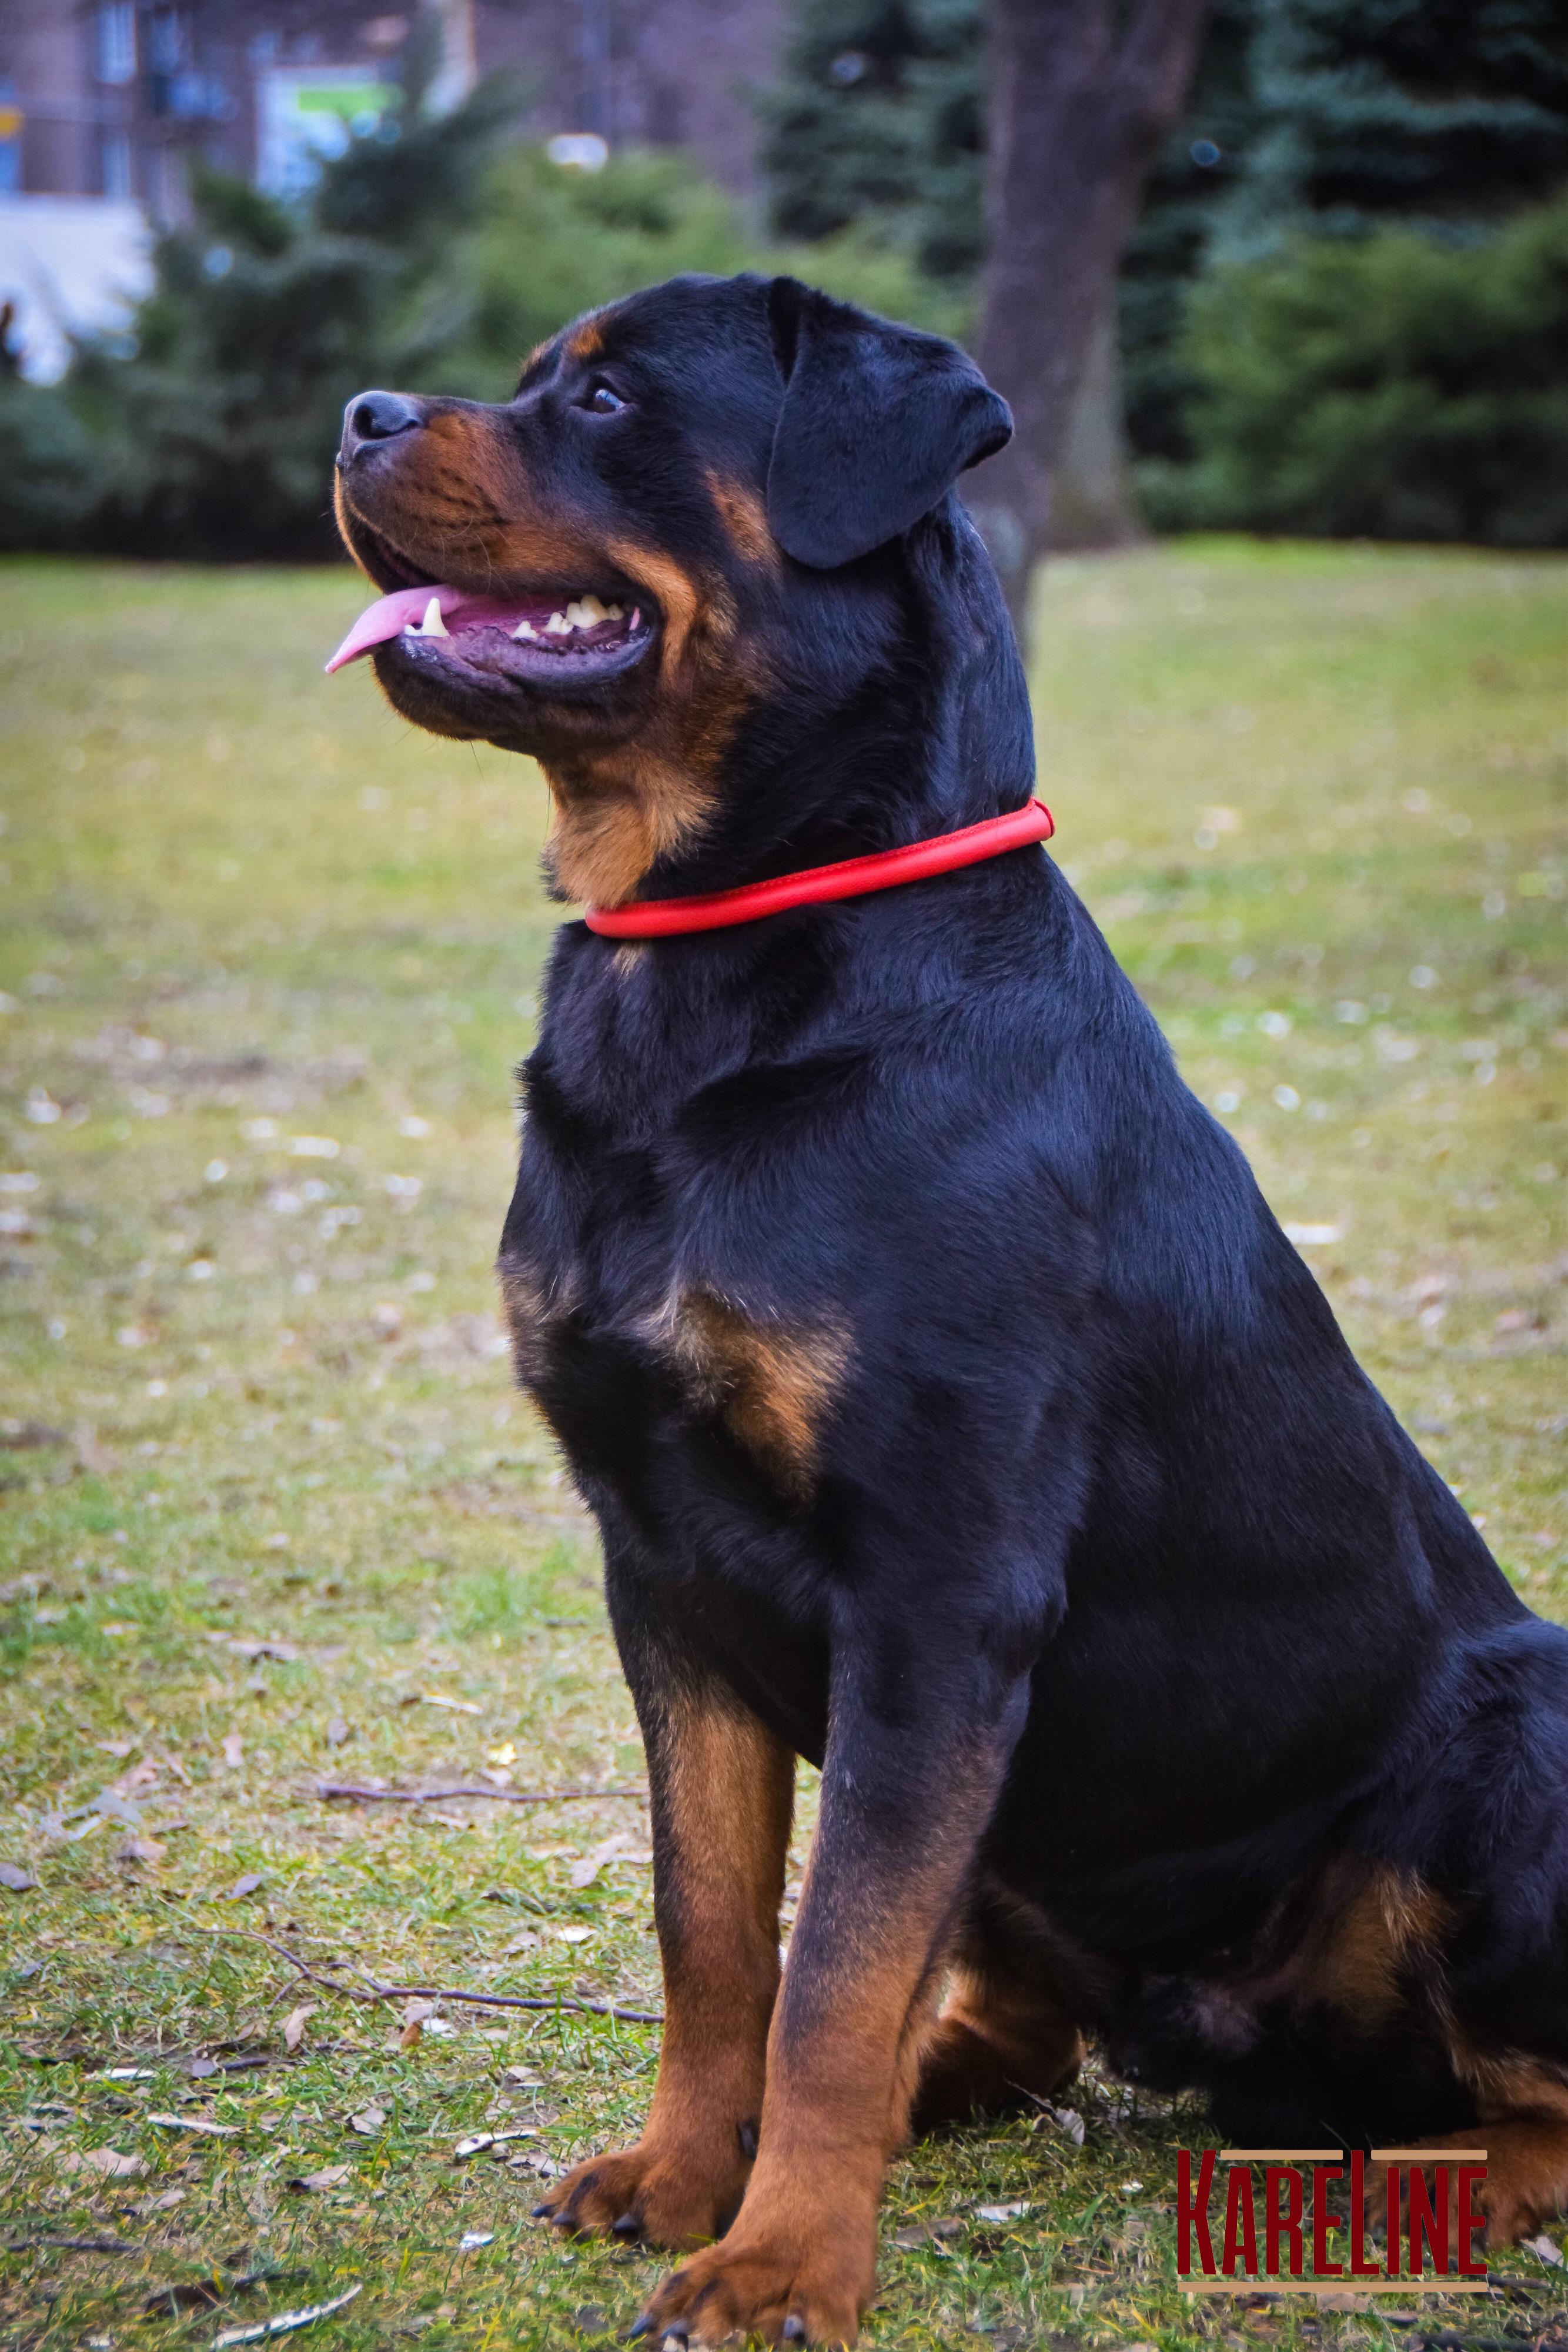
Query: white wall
{"x": 65, "y": 262}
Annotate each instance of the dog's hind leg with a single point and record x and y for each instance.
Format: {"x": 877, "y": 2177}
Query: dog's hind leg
{"x": 1523, "y": 2110}
{"x": 1006, "y": 2034}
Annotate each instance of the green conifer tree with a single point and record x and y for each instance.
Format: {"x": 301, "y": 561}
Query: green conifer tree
{"x": 1443, "y": 114}
{"x": 875, "y": 123}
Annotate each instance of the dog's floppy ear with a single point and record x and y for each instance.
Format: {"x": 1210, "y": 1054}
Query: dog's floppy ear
{"x": 878, "y": 423}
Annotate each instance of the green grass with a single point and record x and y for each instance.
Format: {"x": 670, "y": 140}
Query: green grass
{"x": 1320, "y": 800}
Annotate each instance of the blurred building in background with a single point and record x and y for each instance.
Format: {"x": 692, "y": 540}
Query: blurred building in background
{"x": 106, "y": 104}
{"x": 112, "y": 98}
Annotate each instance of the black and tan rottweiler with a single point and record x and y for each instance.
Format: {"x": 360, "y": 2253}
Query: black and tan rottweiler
{"x": 953, "y": 1410}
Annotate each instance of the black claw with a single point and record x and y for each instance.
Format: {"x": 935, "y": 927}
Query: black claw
{"x": 794, "y": 2329}
{"x": 640, "y": 2328}
{"x": 628, "y": 2226}
{"x": 539, "y": 2213}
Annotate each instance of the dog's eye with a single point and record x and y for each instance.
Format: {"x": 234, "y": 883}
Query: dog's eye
{"x": 603, "y": 402}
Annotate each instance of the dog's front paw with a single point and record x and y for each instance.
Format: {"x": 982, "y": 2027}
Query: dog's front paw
{"x": 802, "y": 2281}
{"x": 670, "y": 2196}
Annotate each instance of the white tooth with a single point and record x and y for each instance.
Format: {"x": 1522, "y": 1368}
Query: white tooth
{"x": 594, "y": 610}
{"x": 557, "y": 626}
{"x": 579, "y": 617}
{"x": 615, "y": 611}
{"x": 431, "y": 625}
{"x": 525, "y": 629}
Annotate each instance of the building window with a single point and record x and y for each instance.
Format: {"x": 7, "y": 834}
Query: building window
{"x": 117, "y": 41}
{"x": 114, "y": 163}
{"x": 166, "y": 41}
{"x": 11, "y": 122}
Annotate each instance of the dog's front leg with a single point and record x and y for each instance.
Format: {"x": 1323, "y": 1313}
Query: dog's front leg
{"x": 721, "y": 1790}
{"x": 915, "y": 1756}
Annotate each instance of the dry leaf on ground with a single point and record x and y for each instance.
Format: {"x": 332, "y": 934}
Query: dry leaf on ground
{"x": 107, "y": 2161}
{"x": 296, "y": 2021}
{"x": 328, "y": 2176}
{"x": 234, "y": 1750}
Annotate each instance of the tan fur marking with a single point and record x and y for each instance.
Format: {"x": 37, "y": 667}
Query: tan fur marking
{"x": 679, "y": 598}
{"x": 843, "y": 2052}
{"x": 345, "y": 514}
{"x": 618, "y": 812}
{"x": 587, "y": 342}
{"x": 722, "y": 1789}
{"x": 745, "y": 518}
{"x": 770, "y": 1385}
{"x": 1009, "y": 2024}
{"x": 1391, "y": 1921}
{"x": 530, "y": 1312}
{"x": 1509, "y": 2083}
{"x": 602, "y": 844}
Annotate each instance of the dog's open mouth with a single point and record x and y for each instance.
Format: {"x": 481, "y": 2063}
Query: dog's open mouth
{"x": 532, "y": 639}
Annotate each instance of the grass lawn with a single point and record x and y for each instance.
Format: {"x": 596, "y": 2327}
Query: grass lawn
{"x": 270, "y": 1511}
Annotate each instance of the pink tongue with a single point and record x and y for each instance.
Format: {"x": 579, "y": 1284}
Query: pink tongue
{"x": 391, "y": 614}
{"x": 387, "y": 618}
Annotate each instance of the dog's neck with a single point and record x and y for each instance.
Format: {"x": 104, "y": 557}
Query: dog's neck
{"x": 931, "y": 734}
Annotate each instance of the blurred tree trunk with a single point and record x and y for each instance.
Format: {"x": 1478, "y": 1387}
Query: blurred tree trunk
{"x": 1082, "y": 94}
{"x": 1093, "y": 504}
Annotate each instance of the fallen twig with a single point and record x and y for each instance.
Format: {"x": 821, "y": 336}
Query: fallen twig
{"x": 283, "y": 2323}
{"x": 73, "y": 2245}
{"x": 373, "y": 1990}
{"x": 330, "y": 1789}
{"x": 201, "y": 2295}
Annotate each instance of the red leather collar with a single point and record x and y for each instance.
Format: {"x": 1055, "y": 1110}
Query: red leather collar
{"x": 851, "y": 877}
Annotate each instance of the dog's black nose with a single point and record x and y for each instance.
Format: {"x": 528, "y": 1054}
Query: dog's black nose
{"x": 377, "y": 416}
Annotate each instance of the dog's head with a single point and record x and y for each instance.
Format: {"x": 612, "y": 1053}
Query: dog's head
{"x": 686, "y": 519}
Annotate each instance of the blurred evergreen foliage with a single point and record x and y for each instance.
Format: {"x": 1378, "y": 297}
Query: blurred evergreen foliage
{"x": 1198, "y": 178}
{"x": 1451, "y": 113}
{"x": 551, "y": 243}
{"x": 1386, "y": 386}
{"x": 876, "y": 121}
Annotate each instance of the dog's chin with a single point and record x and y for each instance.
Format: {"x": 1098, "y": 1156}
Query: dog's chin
{"x": 481, "y": 684}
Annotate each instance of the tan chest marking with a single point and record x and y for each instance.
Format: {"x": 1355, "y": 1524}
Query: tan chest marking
{"x": 770, "y": 1383}
{"x": 530, "y": 1311}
